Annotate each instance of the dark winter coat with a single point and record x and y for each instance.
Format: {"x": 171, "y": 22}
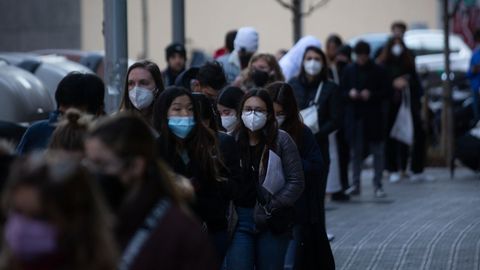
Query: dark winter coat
{"x": 330, "y": 107}
{"x": 371, "y": 112}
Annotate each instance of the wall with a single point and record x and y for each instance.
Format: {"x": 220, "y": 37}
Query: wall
{"x": 207, "y": 21}
{"x": 32, "y": 24}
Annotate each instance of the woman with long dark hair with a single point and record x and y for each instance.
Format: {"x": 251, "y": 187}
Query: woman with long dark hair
{"x": 310, "y": 248}
{"x": 265, "y": 201}
{"x": 192, "y": 150}
{"x": 400, "y": 66}
{"x": 143, "y": 84}
{"x": 152, "y": 227}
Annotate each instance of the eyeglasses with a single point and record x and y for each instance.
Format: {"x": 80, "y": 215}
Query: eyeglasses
{"x": 255, "y": 110}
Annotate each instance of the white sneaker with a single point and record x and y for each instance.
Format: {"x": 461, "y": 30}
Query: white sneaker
{"x": 417, "y": 177}
{"x": 394, "y": 177}
{"x": 330, "y": 237}
{"x": 379, "y": 193}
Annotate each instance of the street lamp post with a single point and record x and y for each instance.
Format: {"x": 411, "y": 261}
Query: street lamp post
{"x": 116, "y": 51}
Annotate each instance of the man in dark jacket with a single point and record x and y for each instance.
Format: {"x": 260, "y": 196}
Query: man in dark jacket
{"x": 176, "y": 61}
{"x": 77, "y": 90}
{"x": 365, "y": 88}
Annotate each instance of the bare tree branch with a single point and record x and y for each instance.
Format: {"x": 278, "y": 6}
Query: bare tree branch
{"x": 313, "y": 7}
{"x": 285, "y": 5}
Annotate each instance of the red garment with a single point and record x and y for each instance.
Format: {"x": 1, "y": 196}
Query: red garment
{"x": 219, "y": 52}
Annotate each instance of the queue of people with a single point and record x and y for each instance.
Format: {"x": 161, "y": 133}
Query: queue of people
{"x": 210, "y": 167}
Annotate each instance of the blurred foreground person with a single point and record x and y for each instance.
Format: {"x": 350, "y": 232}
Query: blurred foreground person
{"x": 152, "y": 228}
{"x": 272, "y": 182}
{"x": 55, "y": 217}
{"x": 310, "y": 248}
{"x": 70, "y": 133}
{"x": 143, "y": 84}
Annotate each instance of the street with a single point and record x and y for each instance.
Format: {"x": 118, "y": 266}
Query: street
{"x": 426, "y": 225}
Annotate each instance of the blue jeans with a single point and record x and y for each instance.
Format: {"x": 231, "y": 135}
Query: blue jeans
{"x": 294, "y": 248}
{"x": 251, "y": 249}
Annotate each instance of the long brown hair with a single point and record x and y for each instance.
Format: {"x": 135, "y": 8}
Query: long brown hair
{"x": 268, "y": 134}
{"x": 282, "y": 93}
{"x": 70, "y": 201}
{"x": 126, "y": 104}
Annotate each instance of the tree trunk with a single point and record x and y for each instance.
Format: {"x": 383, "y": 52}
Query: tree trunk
{"x": 297, "y": 20}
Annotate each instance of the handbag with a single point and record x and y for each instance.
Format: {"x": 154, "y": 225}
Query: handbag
{"x": 310, "y": 114}
{"x": 402, "y": 129}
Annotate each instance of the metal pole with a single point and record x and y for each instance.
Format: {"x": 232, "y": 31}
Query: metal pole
{"x": 116, "y": 51}
{"x": 447, "y": 115}
{"x": 146, "y": 50}
{"x": 178, "y": 21}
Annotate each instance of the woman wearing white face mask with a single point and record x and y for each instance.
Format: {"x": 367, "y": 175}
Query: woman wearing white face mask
{"x": 265, "y": 203}
{"x": 399, "y": 63}
{"x": 313, "y": 77}
{"x": 142, "y": 86}
{"x": 227, "y": 104}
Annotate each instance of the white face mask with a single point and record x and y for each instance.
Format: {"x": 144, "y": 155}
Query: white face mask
{"x": 397, "y": 49}
{"x": 254, "y": 120}
{"x": 280, "y": 120}
{"x": 312, "y": 67}
{"x": 229, "y": 122}
{"x": 140, "y": 97}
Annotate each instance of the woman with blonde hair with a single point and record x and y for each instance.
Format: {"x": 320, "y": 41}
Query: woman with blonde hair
{"x": 262, "y": 69}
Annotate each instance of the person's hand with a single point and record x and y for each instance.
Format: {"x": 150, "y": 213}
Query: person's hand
{"x": 353, "y": 94}
{"x": 400, "y": 83}
{"x": 365, "y": 94}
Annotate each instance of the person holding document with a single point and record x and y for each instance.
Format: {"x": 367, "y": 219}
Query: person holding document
{"x": 309, "y": 248}
{"x": 272, "y": 182}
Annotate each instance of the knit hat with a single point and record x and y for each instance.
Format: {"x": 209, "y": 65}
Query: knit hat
{"x": 247, "y": 38}
{"x": 230, "y": 97}
{"x": 175, "y": 48}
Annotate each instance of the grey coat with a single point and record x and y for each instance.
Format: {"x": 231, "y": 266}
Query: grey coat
{"x": 294, "y": 179}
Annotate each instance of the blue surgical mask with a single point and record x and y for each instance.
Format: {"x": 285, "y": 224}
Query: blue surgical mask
{"x": 181, "y": 125}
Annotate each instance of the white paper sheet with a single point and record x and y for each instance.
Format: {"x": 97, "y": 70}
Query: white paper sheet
{"x": 274, "y": 179}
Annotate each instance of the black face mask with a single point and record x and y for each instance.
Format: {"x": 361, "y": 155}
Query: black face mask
{"x": 244, "y": 58}
{"x": 113, "y": 190}
{"x": 260, "y": 78}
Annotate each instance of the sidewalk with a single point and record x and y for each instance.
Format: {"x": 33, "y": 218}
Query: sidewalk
{"x": 427, "y": 225}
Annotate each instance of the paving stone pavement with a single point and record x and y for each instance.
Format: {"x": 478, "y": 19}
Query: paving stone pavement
{"x": 425, "y": 225}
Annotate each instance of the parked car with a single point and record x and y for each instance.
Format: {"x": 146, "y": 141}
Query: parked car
{"x": 427, "y": 46}
{"x": 23, "y": 97}
{"x": 49, "y": 69}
